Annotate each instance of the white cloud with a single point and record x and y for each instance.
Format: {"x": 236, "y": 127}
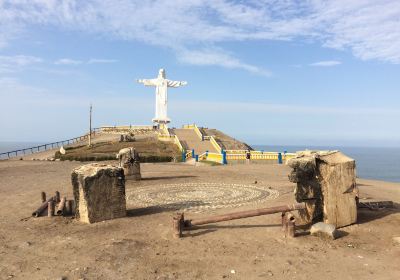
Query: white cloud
{"x": 218, "y": 57}
{"x": 100, "y": 60}
{"x": 326, "y": 63}
{"x": 68, "y": 61}
{"x": 370, "y": 29}
{"x": 9, "y": 64}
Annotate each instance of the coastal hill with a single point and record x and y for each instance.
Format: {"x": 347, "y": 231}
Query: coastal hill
{"x": 149, "y": 142}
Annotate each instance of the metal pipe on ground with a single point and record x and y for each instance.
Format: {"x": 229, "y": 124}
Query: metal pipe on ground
{"x": 42, "y": 207}
{"x": 61, "y": 205}
{"x": 245, "y": 214}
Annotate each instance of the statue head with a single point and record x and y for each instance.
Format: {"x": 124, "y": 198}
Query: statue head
{"x": 161, "y": 73}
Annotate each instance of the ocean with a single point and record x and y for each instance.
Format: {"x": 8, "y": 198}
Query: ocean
{"x": 372, "y": 163}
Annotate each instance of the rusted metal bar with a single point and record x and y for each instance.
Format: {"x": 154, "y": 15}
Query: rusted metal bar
{"x": 43, "y": 196}
{"x": 177, "y": 222}
{"x": 50, "y": 208}
{"x": 42, "y": 207}
{"x": 57, "y": 197}
{"x": 61, "y": 205}
{"x": 245, "y": 214}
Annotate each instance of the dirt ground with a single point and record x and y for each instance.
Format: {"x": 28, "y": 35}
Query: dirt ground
{"x": 141, "y": 245}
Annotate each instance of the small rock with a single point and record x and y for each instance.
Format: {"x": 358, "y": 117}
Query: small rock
{"x": 233, "y": 271}
{"x": 25, "y": 244}
{"x": 396, "y": 240}
{"x": 324, "y": 230}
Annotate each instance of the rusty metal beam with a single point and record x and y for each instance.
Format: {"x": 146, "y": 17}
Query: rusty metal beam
{"x": 42, "y": 207}
{"x": 245, "y": 214}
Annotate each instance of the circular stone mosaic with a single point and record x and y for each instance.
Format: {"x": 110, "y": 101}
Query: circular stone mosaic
{"x": 198, "y": 197}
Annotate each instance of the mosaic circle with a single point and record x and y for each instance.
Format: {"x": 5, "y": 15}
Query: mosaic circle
{"x": 198, "y": 197}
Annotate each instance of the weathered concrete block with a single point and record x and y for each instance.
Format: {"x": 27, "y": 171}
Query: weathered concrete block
{"x": 129, "y": 160}
{"x": 324, "y": 230}
{"x": 132, "y": 170}
{"x": 326, "y": 182}
{"x": 99, "y": 192}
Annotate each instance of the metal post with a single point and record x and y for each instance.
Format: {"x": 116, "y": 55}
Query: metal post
{"x": 280, "y": 158}
{"x": 43, "y": 196}
{"x": 90, "y": 126}
{"x": 192, "y": 153}
{"x": 178, "y": 221}
{"x": 50, "y": 208}
{"x": 57, "y": 197}
{"x": 197, "y": 158}
{"x": 183, "y": 156}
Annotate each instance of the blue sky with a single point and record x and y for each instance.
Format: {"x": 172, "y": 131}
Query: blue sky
{"x": 266, "y": 72}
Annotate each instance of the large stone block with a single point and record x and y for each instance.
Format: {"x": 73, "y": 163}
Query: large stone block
{"x": 99, "y": 192}
{"x": 326, "y": 182}
{"x": 129, "y": 160}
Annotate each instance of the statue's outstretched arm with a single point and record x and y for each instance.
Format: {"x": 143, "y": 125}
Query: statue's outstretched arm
{"x": 176, "y": 83}
{"x": 148, "y": 82}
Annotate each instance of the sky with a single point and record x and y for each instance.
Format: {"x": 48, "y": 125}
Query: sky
{"x": 266, "y": 72}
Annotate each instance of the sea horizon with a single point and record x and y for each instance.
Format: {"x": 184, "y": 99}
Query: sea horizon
{"x": 376, "y": 163}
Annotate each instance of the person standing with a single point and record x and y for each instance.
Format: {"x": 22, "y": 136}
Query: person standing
{"x": 248, "y": 157}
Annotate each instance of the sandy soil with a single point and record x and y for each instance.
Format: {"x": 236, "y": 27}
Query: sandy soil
{"x": 141, "y": 245}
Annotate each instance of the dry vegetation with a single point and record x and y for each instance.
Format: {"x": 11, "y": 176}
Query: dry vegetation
{"x": 150, "y": 150}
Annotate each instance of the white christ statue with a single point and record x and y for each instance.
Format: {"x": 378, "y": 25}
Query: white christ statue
{"x": 161, "y": 84}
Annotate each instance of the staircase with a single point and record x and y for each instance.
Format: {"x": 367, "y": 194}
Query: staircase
{"x": 190, "y": 140}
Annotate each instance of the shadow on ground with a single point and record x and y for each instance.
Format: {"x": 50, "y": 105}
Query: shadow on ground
{"x": 366, "y": 215}
{"x": 168, "y": 177}
{"x": 180, "y": 206}
{"x": 201, "y": 230}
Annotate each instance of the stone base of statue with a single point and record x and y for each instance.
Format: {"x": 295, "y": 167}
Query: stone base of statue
{"x": 161, "y": 121}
